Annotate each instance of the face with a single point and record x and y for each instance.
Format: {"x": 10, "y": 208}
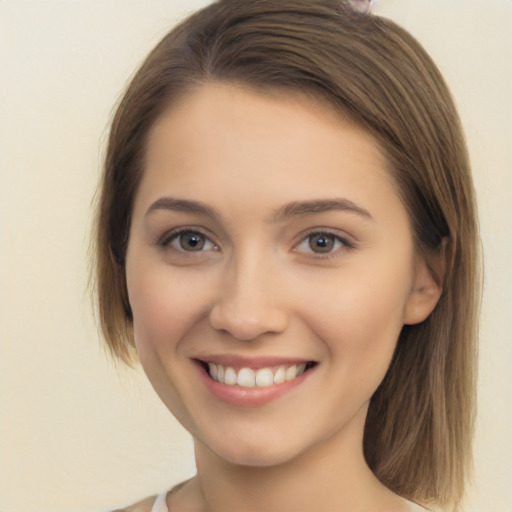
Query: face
{"x": 270, "y": 269}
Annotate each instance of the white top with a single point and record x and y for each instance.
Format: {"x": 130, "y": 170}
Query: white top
{"x": 160, "y": 504}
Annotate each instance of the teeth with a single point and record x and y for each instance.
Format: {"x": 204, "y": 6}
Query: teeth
{"x": 291, "y": 373}
{"x": 280, "y": 375}
{"x": 264, "y": 377}
{"x": 246, "y": 378}
{"x": 220, "y": 373}
{"x": 230, "y": 376}
{"x": 249, "y": 378}
{"x": 212, "y": 369}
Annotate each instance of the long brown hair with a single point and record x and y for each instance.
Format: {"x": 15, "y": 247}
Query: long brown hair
{"x": 420, "y": 421}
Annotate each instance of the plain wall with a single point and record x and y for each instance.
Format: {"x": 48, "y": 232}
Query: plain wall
{"x": 79, "y": 434}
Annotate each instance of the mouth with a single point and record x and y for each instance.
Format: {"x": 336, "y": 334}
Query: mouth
{"x": 255, "y": 377}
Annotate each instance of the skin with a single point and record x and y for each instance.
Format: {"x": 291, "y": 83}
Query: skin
{"x": 260, "y": 287}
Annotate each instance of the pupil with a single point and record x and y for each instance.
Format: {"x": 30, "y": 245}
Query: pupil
{"x": 321, "y": 243}
{"x": 192, "y": 242}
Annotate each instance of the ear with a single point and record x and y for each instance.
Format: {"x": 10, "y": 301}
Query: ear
{"x": 427, "y": 286}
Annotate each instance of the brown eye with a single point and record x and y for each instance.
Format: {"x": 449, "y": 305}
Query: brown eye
{"x": 191, "y": 241}
{"x": 321, "y": 242}
{"x": 183, "y": 241}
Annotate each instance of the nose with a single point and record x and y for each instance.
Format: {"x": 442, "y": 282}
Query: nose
{"x": 248, "y": 304}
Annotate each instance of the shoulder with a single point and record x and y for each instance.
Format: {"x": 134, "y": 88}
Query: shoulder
{"x": 144, "y": 505}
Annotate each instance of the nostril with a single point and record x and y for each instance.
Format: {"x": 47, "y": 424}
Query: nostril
{"x": 247, "y": 322}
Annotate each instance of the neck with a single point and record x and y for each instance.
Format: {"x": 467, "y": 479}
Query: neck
{"x": 331, "y": 475}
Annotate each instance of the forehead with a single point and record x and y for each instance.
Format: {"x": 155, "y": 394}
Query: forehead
{"x": 211, "y": 110}
{"x": 228, "y": 143}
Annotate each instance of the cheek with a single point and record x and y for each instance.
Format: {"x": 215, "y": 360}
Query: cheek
{"x": 165, "y": 307}
{"x": 360, "y": 315}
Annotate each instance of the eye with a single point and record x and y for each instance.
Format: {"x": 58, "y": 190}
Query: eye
{"x": 187, "y": 240}
{"x": 323, "y": 243}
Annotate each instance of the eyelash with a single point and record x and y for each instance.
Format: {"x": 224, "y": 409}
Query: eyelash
{"x": 168, "y": 238}
{"x": 339, "y": 243}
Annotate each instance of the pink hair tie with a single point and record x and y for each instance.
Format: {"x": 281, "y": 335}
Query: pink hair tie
{"x": 362, "y": 7}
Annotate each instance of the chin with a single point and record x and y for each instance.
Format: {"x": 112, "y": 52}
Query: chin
{"x": 243, "y": 452}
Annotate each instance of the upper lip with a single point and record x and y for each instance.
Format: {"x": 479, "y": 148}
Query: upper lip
{"x": 238, "y": 361}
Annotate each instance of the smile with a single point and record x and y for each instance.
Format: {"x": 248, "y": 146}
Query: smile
{"x": 261, "y": 377}
{"x": 252, "y": 382}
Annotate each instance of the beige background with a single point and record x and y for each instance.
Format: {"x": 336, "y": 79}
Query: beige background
{"x": 77, "y": 434}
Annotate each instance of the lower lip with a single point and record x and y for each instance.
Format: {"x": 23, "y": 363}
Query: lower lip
{"x": 250, "y": 397}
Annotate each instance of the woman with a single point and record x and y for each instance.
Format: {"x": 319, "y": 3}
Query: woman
{"x": 287, "y": 241}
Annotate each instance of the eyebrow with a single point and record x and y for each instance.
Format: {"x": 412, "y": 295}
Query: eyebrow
{"x": 297, "y": 208}
{"x": 293, "y": 209}
{"x": 183, "y": 206}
